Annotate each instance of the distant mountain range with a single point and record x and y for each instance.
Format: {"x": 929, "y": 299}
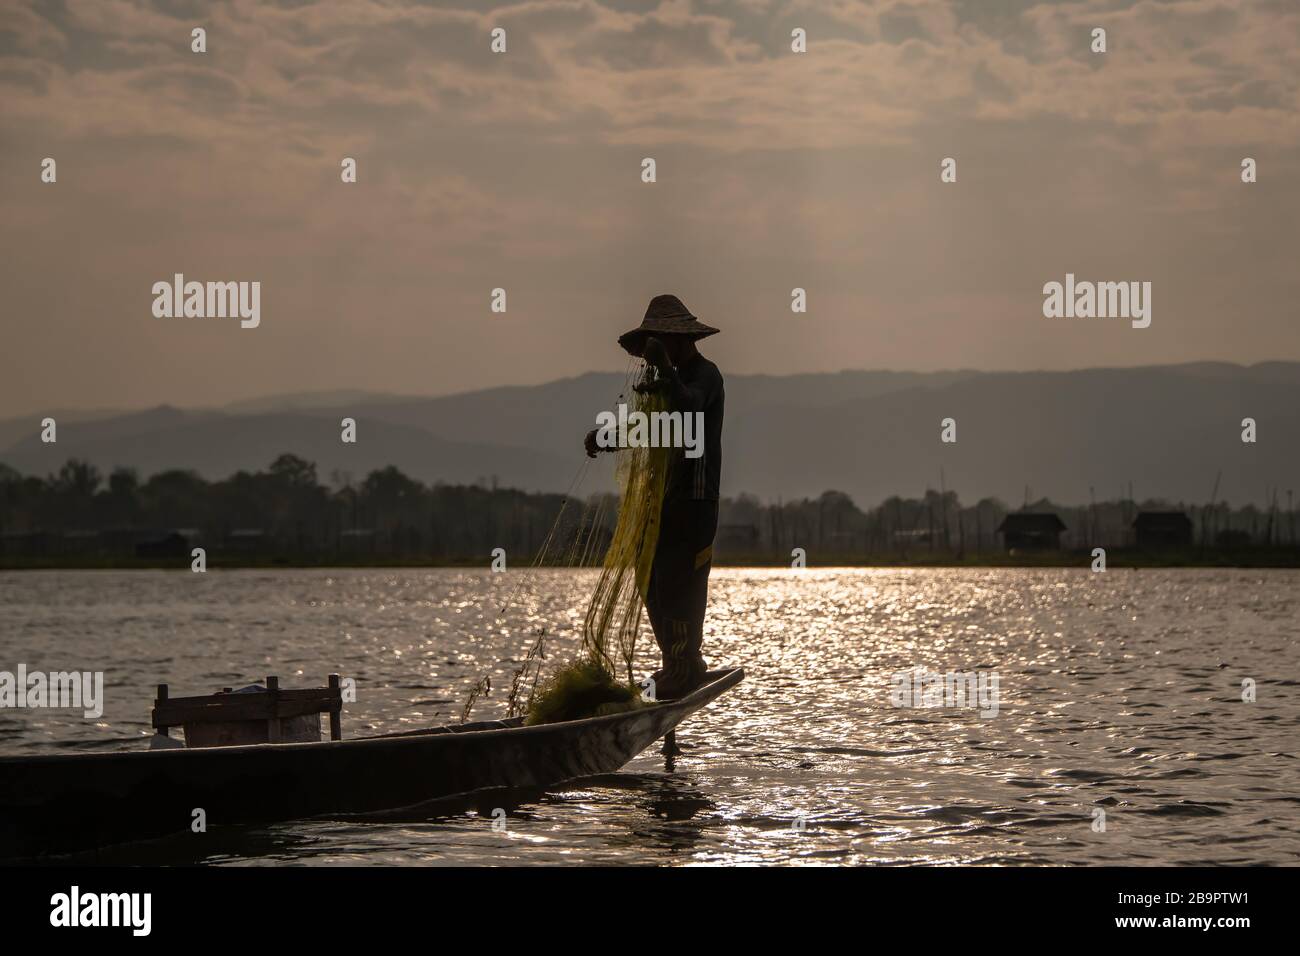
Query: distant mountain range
{"x": 1167, "y": 429}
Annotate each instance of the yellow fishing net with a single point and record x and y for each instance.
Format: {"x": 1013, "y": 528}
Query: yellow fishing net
{"x": 609, "y": 631}
{"x": 590, "y": 686}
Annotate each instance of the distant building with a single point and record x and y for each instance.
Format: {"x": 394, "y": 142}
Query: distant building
{"x": 1157, "y": 530}
{"x": 1031, "y": 531}
{"x": 124, "y": 540}
{"x": 174, "y": 544}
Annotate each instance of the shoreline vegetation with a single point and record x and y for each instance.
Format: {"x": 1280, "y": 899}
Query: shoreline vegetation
{"x": 1114, "y": 561}
{"x": 285, "y": 517}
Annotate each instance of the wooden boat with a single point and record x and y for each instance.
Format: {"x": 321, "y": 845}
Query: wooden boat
{"x": 65, "y": 803}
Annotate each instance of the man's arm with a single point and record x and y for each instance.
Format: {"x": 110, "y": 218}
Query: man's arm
{"x": 682, "y": 397}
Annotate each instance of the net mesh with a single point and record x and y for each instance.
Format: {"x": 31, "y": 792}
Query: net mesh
{"x": 613, "y": 619}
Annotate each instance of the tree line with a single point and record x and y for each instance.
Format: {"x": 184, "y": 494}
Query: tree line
{"x": 287, "y": 511}
{"x": 284, "y": 509}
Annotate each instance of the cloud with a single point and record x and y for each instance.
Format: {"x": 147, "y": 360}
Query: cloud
{"x": 522, "y": 169}
{"x": 671, "y": 72}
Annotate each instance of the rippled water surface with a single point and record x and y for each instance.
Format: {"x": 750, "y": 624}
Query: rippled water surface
{"x": 1119, "y": 691}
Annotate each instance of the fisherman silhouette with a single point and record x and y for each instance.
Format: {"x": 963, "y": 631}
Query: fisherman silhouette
{"x": 678, "y": 591}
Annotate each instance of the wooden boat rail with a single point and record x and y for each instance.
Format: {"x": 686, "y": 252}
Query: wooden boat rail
{"x": 271, "y": 706}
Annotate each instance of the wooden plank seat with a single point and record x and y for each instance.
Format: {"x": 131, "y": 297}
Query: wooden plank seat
{"x": 272, "y": 715}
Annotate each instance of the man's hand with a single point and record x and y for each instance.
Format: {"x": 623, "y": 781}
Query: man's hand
{"x": 590, "y": 444}
{"x": 651, "y": 381}
{"x": 655, "y": 353}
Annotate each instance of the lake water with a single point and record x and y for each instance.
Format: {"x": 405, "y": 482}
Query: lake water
{"x": 1120, "y": 692}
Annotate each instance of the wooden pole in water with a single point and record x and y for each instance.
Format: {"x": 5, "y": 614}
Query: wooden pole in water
{"x": 671, "y": 749}
{"x": 336, "y": 723}
{"x": 162, "y": 698}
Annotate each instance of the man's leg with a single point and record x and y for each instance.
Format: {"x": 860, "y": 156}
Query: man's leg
{"x": 680, "y": 584}
{"x": 665, "y": 581}
{"x": 704, "y": 526}
{"x": 654, "y": 607}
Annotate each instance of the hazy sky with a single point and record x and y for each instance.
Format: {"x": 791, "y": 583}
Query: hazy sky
{"x": 522, "y": 170}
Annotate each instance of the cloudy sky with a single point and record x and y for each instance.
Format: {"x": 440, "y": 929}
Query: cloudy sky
{"x": 521, "y": 170}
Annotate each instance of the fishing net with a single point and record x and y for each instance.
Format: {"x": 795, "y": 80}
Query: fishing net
{"x": 591, "y": 685}
{"x": 581, "y": 689}
{"x": 613, "y": 619}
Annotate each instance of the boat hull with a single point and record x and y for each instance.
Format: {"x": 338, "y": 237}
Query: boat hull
{"x": 60, "y": 804}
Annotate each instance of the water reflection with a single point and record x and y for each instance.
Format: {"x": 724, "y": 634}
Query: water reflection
{"x": 1118, "y": 692}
